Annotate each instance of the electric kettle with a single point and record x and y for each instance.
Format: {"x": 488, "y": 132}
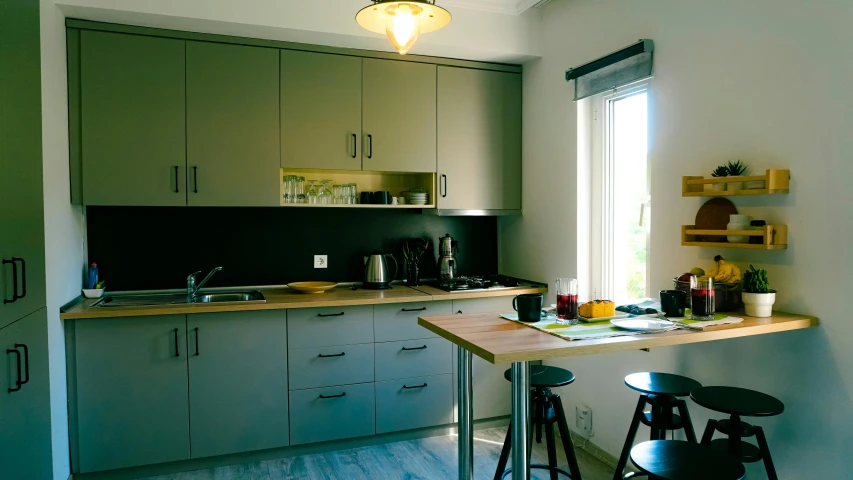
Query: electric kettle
{"x": 376, "y": 275}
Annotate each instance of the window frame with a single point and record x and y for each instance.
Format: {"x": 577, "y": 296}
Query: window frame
{"x": 602, "y": 190}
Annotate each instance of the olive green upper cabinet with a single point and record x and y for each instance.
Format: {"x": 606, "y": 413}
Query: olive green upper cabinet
{"x": 479, "y": 139}
{"x": 320, "y": 111}
{"x": 232, "y": 125}
{"x": 133, "y": 119}
{"x": 399, "y": 116}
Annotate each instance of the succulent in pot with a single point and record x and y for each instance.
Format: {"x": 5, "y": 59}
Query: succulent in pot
{"x": 736, "y": 169}
{"x": 758, "y": 297}
{"x": 721, "y": 171}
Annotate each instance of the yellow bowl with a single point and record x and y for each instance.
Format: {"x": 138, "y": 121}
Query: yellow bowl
{"x": 312, "y": 287}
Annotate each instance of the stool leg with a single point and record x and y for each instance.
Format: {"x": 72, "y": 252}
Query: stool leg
{"x": 629, "y": 440}
{"x": 765, "y": 453}
{"x": 709, "y": 432}
{"x": 685, "y": 419}
{"x": 541, "y": 412}
{"x": 504, "y": 454}
{"x": 551, "y": 443}
{"x": 568, "y": 446}
{"x": 655, "y": 433}
{"x": 734, "y": 436}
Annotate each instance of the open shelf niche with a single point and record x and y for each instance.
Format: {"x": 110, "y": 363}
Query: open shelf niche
{"x": 366, "y": 181}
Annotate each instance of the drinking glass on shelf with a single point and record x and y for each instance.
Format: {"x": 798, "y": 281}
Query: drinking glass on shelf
{"x": 325, "y": 194}
{"x": 353, "y": 192}
{"x": 288, "y": 188}
{"x": 313, "y": 195}
{"x": 337, "y": 194}
{"x": 567, "y": 301}
{"x": 702, "y": 299}
{"x": 300, "y": 190}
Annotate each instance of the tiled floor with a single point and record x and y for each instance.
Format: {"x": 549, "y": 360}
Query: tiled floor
{"x": 428, "y": 458}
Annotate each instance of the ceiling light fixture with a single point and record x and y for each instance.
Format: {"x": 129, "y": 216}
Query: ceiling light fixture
{"x": 402, "y": 21}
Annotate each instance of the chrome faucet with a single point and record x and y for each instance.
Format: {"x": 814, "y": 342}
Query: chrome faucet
{"x": 192, "y": 288}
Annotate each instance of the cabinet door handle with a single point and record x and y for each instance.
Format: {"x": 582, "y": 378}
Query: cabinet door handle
{"x": 335, "y": 355}
{"x": 14, "y": 282}
{"x": 444, "y": 190}
{"x": 405, "y": 349}
{"x": 415, "y": 386}
{"x": 369, "y": 146}
{"x": 195, "y": 179}
{"x": 414, "y": 309}
{"x": 342, "y": 394}
{"x": 18, "y": 381}
{"x": 177, "y": 352}
{"x": 177, "y": 188}
{"x": 196, "y": 341}
{"x": 354, "y": 145}
{"x": 324, "y": 315}
{"x": 26, "y": 363}
{"x": 23, "y": 276}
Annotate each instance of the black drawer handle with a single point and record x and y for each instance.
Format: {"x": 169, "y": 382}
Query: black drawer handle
{"x": 18, "y": 382}
{"x": 177, "y": 352}
{"x": 323, "y": 315}
{"x": 405, "y": 349}
{"x": 335, "y": 355}
{"x": 416, "y": 386}
{"x": 196, "y": 341}
{"x": 195, "y": 179}
{"x": 370, "y": 146}
{"x": 414, "y": 309}
{"x": 444, "y": 191}
{"x": 354, "y": 145}
{"x": 344, "y": 394}
{"x": 177, "y": 187}
{"x": 23, "y": 276}
{"x": 26, "y": 362}
{"x": 14, "y": 281}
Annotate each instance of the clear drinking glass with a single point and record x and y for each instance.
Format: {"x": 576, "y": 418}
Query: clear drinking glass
{"x": 702, "y": 299}
{"x": 567, "y": 300}
{"x": 325, "y": 195}
{"x": 288, "y": 188}
{"x": 353, "y": 191}
{"x": 338, "y": 194}
{"x": 300, "y": 190}
{"x": 313, "y": 195}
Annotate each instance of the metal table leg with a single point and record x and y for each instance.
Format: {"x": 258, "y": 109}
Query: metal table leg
{"x": 466, "y": 416}
{"x": 520, "y": 421}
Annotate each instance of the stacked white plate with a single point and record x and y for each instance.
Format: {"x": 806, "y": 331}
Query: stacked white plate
{"x": 416, "y": 198}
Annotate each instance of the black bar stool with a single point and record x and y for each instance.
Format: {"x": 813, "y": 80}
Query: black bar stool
{"x": 677, "y": 460}
{"x": 660, "y": 391}
{"x": 739, "y": 402}
{"x": 546, "y": 409}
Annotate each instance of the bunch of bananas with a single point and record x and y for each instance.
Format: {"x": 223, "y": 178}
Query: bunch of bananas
{"x": 724, "y": 272}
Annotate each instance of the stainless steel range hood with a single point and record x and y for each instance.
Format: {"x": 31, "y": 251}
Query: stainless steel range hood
{"x": 447, "y": 212}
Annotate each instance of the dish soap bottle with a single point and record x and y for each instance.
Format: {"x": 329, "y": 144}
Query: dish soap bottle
{"x": 92, "y": 280}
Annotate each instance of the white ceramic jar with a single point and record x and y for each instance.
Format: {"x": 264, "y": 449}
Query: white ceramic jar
{"x": 738, "y": 222}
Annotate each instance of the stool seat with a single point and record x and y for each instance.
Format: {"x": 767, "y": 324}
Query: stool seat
{"x": 654, "y": 383}
{"x": 677, "y": 460}
{"x": 543, "y": 376}
{"x": 738, "y": 401}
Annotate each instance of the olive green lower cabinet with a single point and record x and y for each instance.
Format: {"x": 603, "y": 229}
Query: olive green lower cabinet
{"x": 25, "y": 449}
{"x": 238, "y": 381}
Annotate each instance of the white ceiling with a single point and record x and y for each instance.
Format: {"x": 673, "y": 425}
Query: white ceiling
{"x": 511, "y": 7}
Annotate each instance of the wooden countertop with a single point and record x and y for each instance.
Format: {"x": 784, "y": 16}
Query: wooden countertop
{"x": 285, "y": 298}
{"x": 497, "y": 340}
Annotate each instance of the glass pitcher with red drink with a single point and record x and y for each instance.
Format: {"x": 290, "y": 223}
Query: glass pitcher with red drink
{"x": 702, "y": 299}
{"x": 567, "y": 300}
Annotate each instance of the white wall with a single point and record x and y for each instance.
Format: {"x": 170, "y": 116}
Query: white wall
{"x": 764, "y": 81}
{"x": 63, "y": 222}
{"x": 473, "y": 35}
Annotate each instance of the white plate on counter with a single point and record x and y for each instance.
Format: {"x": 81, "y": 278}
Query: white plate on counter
{"x": 642, "y": 324}
{"x": 601, "y": 319}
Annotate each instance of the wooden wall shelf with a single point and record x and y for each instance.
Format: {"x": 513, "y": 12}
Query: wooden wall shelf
{"x": 367, "y": 181}
{"x": 776, "y": 182}
{"x": 774, "y": 237}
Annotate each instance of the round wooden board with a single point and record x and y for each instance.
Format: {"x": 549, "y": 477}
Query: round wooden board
{"x": 714, "y": 215}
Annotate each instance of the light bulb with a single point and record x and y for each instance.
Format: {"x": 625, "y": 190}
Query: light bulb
{"x": 402, "y": 26}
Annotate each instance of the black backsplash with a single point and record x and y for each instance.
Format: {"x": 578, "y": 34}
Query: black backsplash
{"x": 141, "y": 248}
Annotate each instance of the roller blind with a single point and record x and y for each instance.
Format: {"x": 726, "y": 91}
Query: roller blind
{"x": 613, "y": 71}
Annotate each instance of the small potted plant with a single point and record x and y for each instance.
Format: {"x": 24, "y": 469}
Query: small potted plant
{"x": 758, "y": 297}
{"x": 721, "y": 171}
{"x": 736, "y": 169}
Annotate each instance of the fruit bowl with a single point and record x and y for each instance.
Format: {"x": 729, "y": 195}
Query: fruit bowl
{"x": 312, "y": 287}
{"x": 726, "y": 295}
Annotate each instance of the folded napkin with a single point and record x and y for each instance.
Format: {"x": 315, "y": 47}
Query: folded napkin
{"x": 604, "y": 329}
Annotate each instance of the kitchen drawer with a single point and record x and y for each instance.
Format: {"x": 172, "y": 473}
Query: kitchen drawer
{"x": 413, "y": 358}
{"x": 429, "y": 403}
{"x": 347, "y": 411}
{"x": 325, "y": 366}
{"x": 321, "y": 327}
{"x": 399, "y": 321}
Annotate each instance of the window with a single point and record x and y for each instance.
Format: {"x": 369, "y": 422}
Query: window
{"x": 620, "y": 197}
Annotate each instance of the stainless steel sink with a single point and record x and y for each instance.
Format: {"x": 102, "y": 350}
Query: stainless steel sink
{"x": 253, "y": 296}
{"x": 164, "y": 299}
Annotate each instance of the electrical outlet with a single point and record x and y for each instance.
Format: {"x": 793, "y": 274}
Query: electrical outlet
{"x": 583, "y": 420}
{"x": 321, "y": 261}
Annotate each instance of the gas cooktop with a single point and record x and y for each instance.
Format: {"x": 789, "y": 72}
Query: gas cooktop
{"x": 481, "y": 283}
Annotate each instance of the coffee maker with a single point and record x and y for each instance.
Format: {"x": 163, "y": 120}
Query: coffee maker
{"x": 448, "y": 248}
